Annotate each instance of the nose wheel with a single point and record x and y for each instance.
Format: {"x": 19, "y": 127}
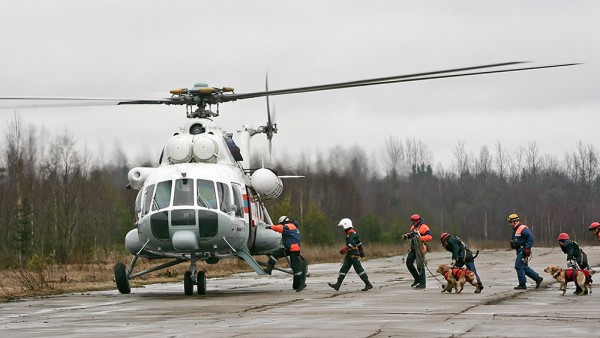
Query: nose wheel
{"x": 201, "y": 282}
{"x": 189, "y": 282}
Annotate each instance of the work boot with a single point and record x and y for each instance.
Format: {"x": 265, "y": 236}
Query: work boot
{"x": 415, "y": 283}
{"x": 538, "y": 282}
{"x": 337, "y": 285}
{"x": 420, "y": 286}
{"x": 301, "y": 287}
{"x": 577, "y": 290}
{"x": 268, "y": 270}
{"x": 480, "y": 286}
{"x": 520, "y": 287}
{"x": 368, "y": 285}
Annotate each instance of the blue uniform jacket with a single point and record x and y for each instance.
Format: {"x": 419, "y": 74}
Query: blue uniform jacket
{"x": 522, "y": 238}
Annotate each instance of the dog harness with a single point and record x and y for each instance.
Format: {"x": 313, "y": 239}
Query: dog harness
{"x": 456, "y": 273}
{"x": 571, "y": 275}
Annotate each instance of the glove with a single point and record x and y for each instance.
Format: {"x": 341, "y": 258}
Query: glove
{"x": 344, "y": 250}
{"x": 361, "y": 252}
{"x": 362, "y": 255}
{"x": 527, "y": 252}
{"x": 573, "y": 264}
{"x": 405, "y": 236}
{"x": 268, "y": 227}
{"x": 512, "y": 246}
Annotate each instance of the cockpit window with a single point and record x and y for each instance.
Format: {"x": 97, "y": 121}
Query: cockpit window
{"x": 138, "y": 205}
{"x": 184, "y": 192}
{"x": 224, "y": 197}
{"x": 148, "y": 194}
{"x": 163, "y": 195}
{"x": 207, "y": 196}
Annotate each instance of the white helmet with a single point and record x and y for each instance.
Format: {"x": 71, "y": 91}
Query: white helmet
{"x": 283, "y": 219}
{"x": 346, "y": 223}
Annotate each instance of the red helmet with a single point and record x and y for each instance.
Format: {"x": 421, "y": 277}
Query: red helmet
{"x": 562, "y": 236}
{"x": 594, "y": 226}
{"x": 415, "y": 217}
{"x": 444, "y": 237}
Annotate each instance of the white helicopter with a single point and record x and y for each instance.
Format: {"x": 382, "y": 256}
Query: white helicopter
{"x": 204, "y": 202}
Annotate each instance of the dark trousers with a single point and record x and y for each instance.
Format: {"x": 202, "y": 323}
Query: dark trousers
{"x": 352, "y": 261}
{"x": 419, "y": 276}
{"x": 297, "y": 263}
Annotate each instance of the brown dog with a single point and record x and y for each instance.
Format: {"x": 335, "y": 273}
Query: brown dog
{"x": 570, "y": 275}
{"x": 457, "y": 277}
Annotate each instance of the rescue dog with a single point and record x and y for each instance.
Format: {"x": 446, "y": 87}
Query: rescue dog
{"x": 563, "y": 276}
{"x": 457, "y": 278}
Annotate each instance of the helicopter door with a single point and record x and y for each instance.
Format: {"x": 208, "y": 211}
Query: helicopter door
{"x": 241, "y": 213}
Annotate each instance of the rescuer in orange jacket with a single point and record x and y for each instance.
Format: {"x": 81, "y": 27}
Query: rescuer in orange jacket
{"x": 418, "y": 228}
{"x": 595, "y": 227}
{"x": 522, "y": 241}
{"x": 290, "y": 237}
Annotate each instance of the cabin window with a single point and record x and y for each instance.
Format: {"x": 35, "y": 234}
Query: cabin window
{"x": 148, "y": 192}
{"x": 163, "y": 195}
{"x": 237, "y": 200}
{"x": 184, "y": 192}
{"x": 207, "y": 196}
{"x": 224, "y": 197}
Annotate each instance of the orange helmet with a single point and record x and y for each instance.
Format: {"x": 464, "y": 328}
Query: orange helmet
{"x": 594, "y": 226}
{"x": 562, "y": 236}
{"x": 444, "y": 237}
{"x": 415, "y": 217}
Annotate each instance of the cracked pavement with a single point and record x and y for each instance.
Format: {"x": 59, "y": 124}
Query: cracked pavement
{"x": 246, "y": 305}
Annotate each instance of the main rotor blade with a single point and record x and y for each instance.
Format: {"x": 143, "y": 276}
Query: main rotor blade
{"x": 216, "y": 98}
{"x": 76, "y": 101}
{"x": 387, "y": 80}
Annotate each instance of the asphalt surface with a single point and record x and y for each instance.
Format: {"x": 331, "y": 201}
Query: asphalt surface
{"x": 247, "y": 305}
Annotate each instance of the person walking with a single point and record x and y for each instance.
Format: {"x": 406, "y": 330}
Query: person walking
{"x": 290, "y": 237}
{"x": 522, "y": 241}
{"x": 461, "y": 255}
{"x": 576, "y": 258}
{"x": 352, "y": 252}
{"x": 418, "y": 247}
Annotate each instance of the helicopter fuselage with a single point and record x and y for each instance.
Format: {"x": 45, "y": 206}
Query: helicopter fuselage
{"x": 200, "y": 203}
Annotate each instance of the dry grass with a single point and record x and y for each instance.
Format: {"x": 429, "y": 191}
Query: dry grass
{"x": 39, "y": 279}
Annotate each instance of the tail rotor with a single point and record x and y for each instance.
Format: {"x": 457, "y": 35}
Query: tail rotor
{"x": 271, "y": 128}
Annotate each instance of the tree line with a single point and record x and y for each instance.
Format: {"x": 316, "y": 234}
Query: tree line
{"x": 471, "y": 199}
{"x": 56, "y": 202}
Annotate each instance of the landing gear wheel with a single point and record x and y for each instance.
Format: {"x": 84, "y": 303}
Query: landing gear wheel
{"x": 201, "y": 282}
{"x": 188, "y": 284}
{"x": 121, "y": 278}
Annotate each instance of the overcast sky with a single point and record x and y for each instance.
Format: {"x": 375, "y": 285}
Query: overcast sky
{"x": 134, "y": 49}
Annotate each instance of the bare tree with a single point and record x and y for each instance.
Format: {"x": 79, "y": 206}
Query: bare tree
{"x": 394, "y": 151}
{"x": 502, "y": 160}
